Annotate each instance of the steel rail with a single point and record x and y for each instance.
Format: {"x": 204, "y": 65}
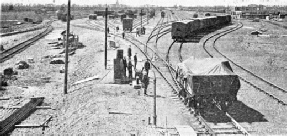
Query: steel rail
{"x": 6, "y": 54}
{"x": 240, "y": 25}
{"x": 47, "y": 24}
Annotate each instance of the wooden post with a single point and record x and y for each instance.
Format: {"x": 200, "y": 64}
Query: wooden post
{"x": 154, "y": 106}
{"x": 147, "y": 15}
{"x": 67, "y": 49}
{"x": 106, "y": 35}
{"x": 141, "y": 19}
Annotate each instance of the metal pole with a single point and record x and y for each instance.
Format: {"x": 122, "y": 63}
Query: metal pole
{"x": 106, "y": 35}
{"x": 154, "y": 97}
{"x": 141, "y": 19}
{"x": 67, "y": 48}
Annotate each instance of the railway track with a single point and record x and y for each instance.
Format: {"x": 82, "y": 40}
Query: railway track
{"x": 271, "y": 90}
{"x": 232, "y": 128}
{"x": 28, "y": 30}
{"x": 8, "y": 53}
{"x": 204, "y": 128}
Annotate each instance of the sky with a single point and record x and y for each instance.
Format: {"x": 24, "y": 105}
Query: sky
{"x": 155, "y": 2}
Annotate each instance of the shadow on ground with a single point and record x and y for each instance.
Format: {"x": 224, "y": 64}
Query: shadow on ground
{"x": 238, "y": 110}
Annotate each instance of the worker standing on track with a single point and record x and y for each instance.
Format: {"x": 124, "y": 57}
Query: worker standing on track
{"x": 123, "y": 34}
{"x": 130, "y": 69}
{"x": 125, "y": 66}
{"x": 1, "y": 48}
{"x": 137, "y": 33}
{"x": 129, "y": 52}
{"x": 135, "y": 60}
{"x": 143, "y": 30}
{"x": 147, "y": 66}
{"x": 145, "y": 82}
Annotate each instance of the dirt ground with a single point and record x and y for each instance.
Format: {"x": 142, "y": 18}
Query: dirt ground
{"x": 101, "y": 107}
{"x": 265, "y": 56}
{"x": 98, "y": 107}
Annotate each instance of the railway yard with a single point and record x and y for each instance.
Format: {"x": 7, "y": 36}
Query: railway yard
{"x": 96, "y": 105}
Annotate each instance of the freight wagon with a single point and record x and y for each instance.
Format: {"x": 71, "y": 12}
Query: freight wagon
{"x": 182, "y": 30}
{"x": 63, "y": 17}
{"x": 123, "y": 16}
{"x": 206, "y": 81}
{"x": 162, "y": 14}
{"x": 132, "y": 16}
{"x": 93, "y": 16}
{"x": 127, "y": 24}
{"x": 111, "y": 16}
{"x": 102, "y": 12}
{"x": 131, "y": 11}
{"x": 152, "y": 13}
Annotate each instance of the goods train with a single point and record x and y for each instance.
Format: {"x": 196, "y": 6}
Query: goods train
{"x": 152, "y": 13}
{"x": 127, "y": 24}
{"x": 62, "y": 15}
{"x": 123, "y": 16}
{"x": 206, "y": 81}
{"x": 93, "y": 16}
{"x": 102, "y": 12}
{"x": 162, "y": 14}
{"x": 187, "y": 28}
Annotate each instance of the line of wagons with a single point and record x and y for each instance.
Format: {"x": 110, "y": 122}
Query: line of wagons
{"x": 121, "y": 14}
{"x": 185, "y": 29}
{"x": 63, "y": 17}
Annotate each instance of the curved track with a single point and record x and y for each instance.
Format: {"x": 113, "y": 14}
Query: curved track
{"x": 205, "y": 129}
{"x": 235, "y": 124}
{"x": 260, "y": 79}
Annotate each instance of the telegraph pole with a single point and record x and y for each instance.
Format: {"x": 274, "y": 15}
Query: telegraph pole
{"x": 106, "y": 35}
{"x": 141, "y": 19}
{"x": 67, "y": 48}
{"x": 147, "y": 15}
{"x": 154, "y": 98}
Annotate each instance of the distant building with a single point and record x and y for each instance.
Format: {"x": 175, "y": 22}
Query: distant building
{"x": 257, "y": 11}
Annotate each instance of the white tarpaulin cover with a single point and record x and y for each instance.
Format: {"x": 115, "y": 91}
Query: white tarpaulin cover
{"x": 208, "y": 76}
{"x": 205, "y": 66}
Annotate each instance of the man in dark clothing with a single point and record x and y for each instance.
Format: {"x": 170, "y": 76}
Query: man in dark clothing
{"x": 143, "y": 30}
{"x": 129, "y": 52}
{"x": 117, "y": 28}
{"x": 145, "y": 82}
{"x": 147, "y": 66}
{"x": 108, "y": 30}
{"x": 136, "y": 60}
{"x": 1, "y": 48}
{"x": 123, "y": 34}
{"x": 125, "y": 66}
{"x": 138, "y": 33}
{"x": 130, "y": 69}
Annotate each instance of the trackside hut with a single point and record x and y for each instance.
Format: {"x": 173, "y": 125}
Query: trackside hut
{"x": 208, "y": 76}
